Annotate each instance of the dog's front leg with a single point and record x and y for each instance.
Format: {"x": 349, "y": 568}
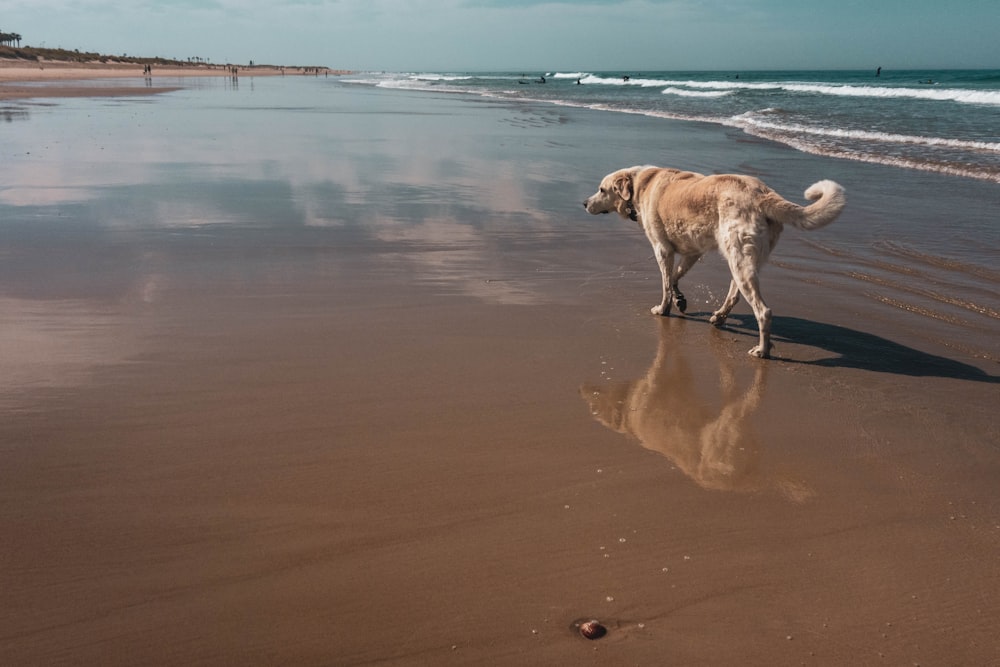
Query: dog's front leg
{"x": 665, "y": 259}
{"x": 687, "y": 261}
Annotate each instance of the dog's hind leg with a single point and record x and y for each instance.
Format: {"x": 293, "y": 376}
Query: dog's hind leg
{"x": 763, "y": 315}
{"x": 745, "y": 251}
{"x": 745, "y": 275}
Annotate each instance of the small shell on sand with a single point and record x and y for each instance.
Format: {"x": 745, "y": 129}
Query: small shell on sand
{"x": 593, "y": 630}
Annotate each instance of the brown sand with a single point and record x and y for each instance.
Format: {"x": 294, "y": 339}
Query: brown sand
{"x": 324, "y": 461}
{"x": 368, "y": 472}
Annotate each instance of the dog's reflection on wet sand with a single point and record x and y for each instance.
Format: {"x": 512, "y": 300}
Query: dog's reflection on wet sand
{"x": 716, "y": 447}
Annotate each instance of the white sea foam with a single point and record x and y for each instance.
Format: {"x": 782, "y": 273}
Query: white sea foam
{"x": 800, "y": 140}
{"x": 415, "y": 83}
{"x": 621, "y": 81}
{"x": 919, "y": 92}
{"x": 748, "y": 120}
{"x": 928, "y": 92}
{"x": 360, "y": 82}
{"x": 441, "y": 77}
{"x": 695, "y": 93}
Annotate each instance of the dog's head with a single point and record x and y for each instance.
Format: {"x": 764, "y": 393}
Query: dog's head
{"x": 615, "y": 194}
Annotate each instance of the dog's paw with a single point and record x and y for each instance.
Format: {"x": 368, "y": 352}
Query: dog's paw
{"x": 660, "y": 310}
{"x": 760, "y": 353}
{"x": 681, "y": 302}
{"x": 717, "y": 320}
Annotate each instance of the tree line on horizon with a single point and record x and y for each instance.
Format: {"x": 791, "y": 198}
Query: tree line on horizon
{"x": 8, "y": 50}
{"x": 8, "y": 38}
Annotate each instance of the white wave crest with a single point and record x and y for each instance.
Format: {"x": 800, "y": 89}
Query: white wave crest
{"x": 415, "y": 83}
{"x": 924, "y": 92}
{"x": 632, "y": 81}
{"x": 920, "y": 92}
{"x": 670, "y": 90}
{"x": 441, "y": 77}
{"x": 961, "y": 95}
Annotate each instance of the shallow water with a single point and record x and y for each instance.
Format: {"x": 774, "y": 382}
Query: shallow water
{"x": 106, "y": 202}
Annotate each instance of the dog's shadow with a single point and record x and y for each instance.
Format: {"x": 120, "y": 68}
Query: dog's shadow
{"x": 860, "y": 350}
{"x": 708, "y": 435}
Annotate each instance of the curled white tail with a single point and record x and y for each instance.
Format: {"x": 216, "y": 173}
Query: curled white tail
{"x": 828, "y": 200}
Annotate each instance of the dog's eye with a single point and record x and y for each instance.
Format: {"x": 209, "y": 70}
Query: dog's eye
{"x": 603, "y": 191}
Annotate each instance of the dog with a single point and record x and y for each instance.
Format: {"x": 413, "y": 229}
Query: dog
{"x": 688, "y": 214}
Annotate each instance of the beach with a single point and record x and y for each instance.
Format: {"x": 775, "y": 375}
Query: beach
{"x": 19, "y": 79}
{"x": 298, "y": 372}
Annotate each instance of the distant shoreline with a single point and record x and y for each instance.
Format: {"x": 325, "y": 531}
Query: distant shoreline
{"x": 15, "y": 71}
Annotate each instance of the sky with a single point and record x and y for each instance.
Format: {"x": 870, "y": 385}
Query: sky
{"x": 526, "y": 35}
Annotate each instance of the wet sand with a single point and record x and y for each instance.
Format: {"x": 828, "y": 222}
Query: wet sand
{"x": 381, "y": 403}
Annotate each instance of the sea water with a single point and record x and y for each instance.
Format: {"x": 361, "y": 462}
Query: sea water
{"x": 941, "y": 121}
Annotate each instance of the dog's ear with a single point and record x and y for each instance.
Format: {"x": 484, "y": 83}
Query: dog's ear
{"x": 622, "y": 186}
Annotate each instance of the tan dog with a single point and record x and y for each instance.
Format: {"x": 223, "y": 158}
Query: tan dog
{"x": 689, "y": 214}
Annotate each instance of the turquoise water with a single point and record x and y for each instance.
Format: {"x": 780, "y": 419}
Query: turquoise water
{"x": 941, "y": 121}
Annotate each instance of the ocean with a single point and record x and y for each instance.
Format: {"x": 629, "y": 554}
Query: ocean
{"x": 941, "y": 121}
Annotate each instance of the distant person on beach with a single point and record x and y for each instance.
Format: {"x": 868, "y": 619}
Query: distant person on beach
{"x": 625, "y": 78}
{"x": 541, "y": 79}
{"x": 878, "y": 71}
